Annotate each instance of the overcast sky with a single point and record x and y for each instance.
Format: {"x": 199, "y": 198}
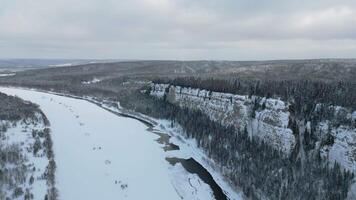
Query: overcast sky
{"x": 178, "y": 29}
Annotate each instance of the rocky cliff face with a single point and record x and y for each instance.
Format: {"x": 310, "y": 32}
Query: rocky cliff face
{"x": 267, "y": 119}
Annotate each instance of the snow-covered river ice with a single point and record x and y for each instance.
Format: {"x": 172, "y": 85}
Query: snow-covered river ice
{"x": 100, "y": 155}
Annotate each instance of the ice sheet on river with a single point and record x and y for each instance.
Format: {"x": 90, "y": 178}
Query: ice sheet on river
{"x": 100, "y": 155}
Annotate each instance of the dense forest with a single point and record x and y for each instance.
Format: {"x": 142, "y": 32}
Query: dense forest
{"x": 250, "y": 163}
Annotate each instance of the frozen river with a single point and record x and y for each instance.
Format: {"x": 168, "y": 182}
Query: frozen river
{"x": 100, "y": 155}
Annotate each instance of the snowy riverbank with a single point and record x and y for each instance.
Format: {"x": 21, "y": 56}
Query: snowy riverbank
{"x": 100, "y": 155}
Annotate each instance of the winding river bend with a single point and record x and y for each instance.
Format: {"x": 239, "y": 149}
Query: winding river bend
{"x": 101, "y": 155}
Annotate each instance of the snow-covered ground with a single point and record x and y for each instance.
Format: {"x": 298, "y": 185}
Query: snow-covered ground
{"x": 62, "y": 65}
{"x": 100, "y": 155}
{"x": 94, "y": 80}
{"x": 189, "y": 186}
{"x": 7, "y": 74}
{"x": 20, "y": 134}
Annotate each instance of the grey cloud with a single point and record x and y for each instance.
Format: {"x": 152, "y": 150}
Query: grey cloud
{"x": 179, "y": 29}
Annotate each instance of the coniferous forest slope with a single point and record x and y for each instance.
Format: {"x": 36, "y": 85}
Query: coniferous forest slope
{"x": 27, "y": 166}
{"x": 276, "y": 129}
